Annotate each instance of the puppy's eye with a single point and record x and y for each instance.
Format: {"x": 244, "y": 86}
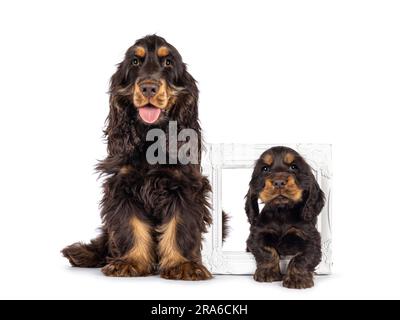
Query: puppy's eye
{"x": 266, "y": 169}
{"x": 293, "y": 167}
{"x": 167, "y": 62}
{"x": 135, "y": 61}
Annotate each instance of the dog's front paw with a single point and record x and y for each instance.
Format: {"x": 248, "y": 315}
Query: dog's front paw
{"x": 267, "y": 275}
{"x": 124, "y": 269}
{"x": 298, "y": 280}
{"x": 187, "y": 271}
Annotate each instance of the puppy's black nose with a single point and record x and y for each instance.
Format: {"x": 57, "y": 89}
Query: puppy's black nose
{"x": 279, "y": 183}
{"x": 149, "y": 89}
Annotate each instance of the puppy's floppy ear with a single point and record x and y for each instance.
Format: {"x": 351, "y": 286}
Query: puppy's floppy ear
{"x": 251, "y": 206}
{"x": 314, "y": 202}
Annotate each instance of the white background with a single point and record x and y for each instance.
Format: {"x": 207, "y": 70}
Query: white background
{"x": 236, "y": 182}
{"x": 269, "y": 72}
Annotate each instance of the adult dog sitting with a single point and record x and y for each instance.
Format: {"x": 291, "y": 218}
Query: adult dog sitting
{"x": 153, "y": 214}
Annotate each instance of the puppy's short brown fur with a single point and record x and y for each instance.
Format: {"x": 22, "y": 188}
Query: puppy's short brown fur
{"x": 284, "y": 182}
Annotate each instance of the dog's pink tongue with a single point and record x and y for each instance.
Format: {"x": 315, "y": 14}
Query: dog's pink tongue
{"x": 149, "y": 114}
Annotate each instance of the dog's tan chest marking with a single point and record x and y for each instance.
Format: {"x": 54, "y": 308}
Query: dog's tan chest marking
{"x": 125, "y": 169}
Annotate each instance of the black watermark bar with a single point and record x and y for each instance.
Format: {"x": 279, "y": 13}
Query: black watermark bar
{"x": 191, "y": 309}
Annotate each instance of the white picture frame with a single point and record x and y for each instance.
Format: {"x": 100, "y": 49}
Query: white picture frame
{"x": 218, "y": 157}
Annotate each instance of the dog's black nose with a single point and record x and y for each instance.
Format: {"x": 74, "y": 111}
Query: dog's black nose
{"x": 279, "y": 183}
{"x": 149, "y": 89}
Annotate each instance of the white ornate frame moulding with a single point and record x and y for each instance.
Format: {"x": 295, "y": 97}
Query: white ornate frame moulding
{"x": 238, "y": 156}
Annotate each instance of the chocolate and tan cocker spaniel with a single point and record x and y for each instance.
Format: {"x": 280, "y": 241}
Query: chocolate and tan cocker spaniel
{"x": 292, "y": 198}
{"x": 153, "y": 214}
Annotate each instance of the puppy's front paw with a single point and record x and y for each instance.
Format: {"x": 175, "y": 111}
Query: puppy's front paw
{"x": 186, "y": 271}
{"x": 267, "y": 275}
{"x": 298, "y": 280}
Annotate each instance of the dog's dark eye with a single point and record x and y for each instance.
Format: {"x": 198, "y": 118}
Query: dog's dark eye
{"x": 266, "y": 169}
{"x": 135, "y": 61}
{"x": 293, "y": 167}
{"x": 167, "y": 62}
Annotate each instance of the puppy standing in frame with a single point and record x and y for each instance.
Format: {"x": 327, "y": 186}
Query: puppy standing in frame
{"x": 286, "y": 226}
{"x": 153, "y": 214}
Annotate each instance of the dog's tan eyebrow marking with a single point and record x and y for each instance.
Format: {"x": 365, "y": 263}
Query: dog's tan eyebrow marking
{"x": 289, "y": 158}
{"x": 268, "y": 159}
{"x": 162, "y": 51}
{"x": 140, "y": 52}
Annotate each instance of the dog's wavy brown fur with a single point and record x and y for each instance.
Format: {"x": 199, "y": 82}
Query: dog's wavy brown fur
{"x": 153, "y": 215}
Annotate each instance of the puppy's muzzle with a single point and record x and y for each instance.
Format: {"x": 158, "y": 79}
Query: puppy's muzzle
{"x": 280, "y": 180}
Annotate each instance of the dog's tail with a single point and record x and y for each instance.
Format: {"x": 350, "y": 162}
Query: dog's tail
{"x": 90, "y": 255}
{"x": 225, "y": 225}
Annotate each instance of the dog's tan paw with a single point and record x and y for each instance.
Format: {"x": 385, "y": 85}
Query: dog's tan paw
{"x": 124, "y": 269}
{"x": 187, "y": 271}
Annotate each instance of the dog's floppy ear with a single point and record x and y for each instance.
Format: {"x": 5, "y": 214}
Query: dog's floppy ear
{"x": 314, "y": 202}
{"x": 251, "y": 206}
{"x": 185, "y": 110}
{"x": 119, "y": 131}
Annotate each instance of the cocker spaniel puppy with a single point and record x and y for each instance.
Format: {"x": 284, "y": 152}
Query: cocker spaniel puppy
{"x": 292, "y": 199}
{"x": 153, "y": 214}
